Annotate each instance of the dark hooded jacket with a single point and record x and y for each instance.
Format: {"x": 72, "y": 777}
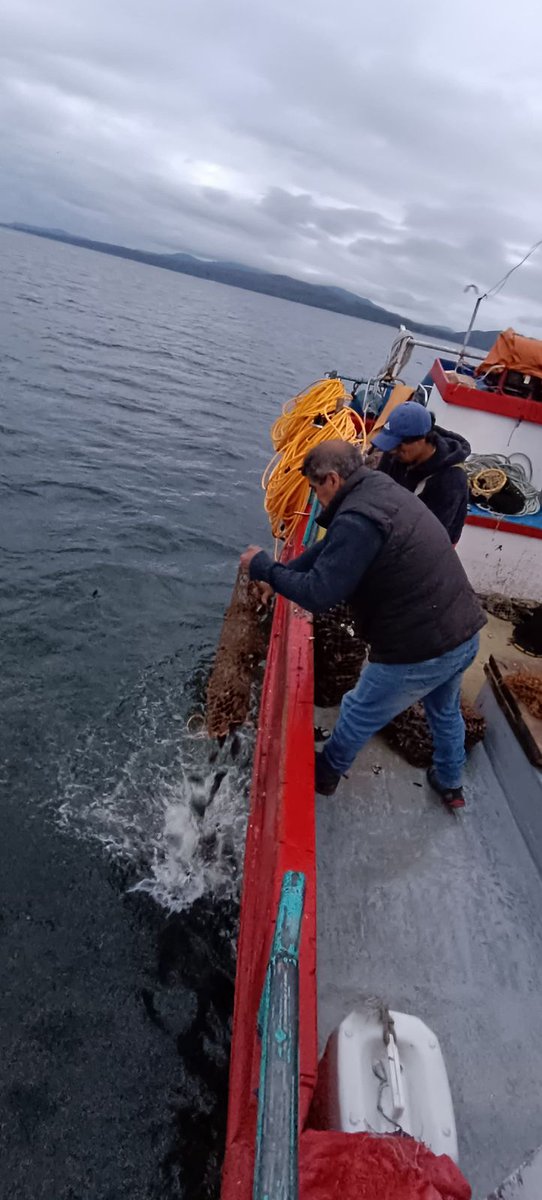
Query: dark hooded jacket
{"x": 440, "y": 482}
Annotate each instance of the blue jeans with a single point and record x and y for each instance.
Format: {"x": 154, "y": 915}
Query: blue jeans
{"x": 386, "y": 689}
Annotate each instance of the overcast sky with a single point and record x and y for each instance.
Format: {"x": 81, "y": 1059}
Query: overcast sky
{"x": 393, "y": 148}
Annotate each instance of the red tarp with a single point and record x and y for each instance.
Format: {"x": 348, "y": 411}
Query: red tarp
{"x": 362, "y": 1166}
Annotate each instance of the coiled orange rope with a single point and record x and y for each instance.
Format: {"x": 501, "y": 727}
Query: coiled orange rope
{"x": 294, "y": 434}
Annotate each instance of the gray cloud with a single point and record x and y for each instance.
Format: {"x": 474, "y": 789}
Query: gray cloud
{"x": 393, "y": 151}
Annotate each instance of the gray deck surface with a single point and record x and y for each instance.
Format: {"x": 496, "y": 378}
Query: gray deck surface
{"x": 440, "y": 916}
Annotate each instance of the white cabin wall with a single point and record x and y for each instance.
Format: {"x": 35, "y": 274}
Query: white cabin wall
{"x": 489, "y": 433}
{"x": 495, "y": 561}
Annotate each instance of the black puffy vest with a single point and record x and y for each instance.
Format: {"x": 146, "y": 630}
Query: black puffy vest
{"x": 415, "y": 601}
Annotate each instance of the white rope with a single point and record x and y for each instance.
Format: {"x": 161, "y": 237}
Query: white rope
{"x": 398, "y": 357}
{"x": 515, "y": 472}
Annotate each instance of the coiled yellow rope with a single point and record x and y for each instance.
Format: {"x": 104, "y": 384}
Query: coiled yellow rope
{"x": 293, "y": 435}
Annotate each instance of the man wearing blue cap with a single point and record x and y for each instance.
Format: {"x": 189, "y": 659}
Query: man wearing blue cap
{"x": 427, "y": 460}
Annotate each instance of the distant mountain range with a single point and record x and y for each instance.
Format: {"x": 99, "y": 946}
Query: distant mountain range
{"x": 334, "y": 299}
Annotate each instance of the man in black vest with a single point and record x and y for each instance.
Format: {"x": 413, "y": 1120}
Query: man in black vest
{"x": 392, "y": 560}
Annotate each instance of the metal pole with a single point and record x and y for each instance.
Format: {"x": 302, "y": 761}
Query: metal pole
{"x": 462, "y": 354}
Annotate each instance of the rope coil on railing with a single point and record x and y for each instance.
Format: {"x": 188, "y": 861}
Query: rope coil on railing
{"x": 316, "y": 415}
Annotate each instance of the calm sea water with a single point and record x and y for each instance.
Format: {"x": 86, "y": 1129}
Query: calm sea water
{"x": 135, "y": 406}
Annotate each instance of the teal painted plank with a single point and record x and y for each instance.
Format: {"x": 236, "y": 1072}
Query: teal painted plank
{"x": 276, "y": 1170}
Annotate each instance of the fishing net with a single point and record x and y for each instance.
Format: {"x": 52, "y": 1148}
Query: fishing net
{"x": 410, "y": 735}
{"x": 528, "y": 689}
{"x": 366, "y": 1166}
{"x": 242, "y": 645}
{"x": 339, "y": 654}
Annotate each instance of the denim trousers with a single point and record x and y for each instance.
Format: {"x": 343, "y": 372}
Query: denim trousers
{"x": 386, "y": 689}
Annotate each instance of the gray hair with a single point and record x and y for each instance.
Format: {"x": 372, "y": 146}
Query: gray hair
{"x": 341, "y": 457}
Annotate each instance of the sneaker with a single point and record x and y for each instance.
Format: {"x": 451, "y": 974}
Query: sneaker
{"x": 453, "y": 797}
{"x": 326, "y": 780}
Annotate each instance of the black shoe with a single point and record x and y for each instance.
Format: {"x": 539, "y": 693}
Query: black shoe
{"x": 326, "y": 780}
{"x": 453, "y": 797}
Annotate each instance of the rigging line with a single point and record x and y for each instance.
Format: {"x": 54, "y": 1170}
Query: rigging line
{"x": 497, "y": 287}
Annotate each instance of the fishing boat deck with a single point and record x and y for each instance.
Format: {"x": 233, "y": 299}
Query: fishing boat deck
{"x": 439, "y": 915}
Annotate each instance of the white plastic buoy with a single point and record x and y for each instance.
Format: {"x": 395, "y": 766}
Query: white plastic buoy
{"x": 383, "y": 1086}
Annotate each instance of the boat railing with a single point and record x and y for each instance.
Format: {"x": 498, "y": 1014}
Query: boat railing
{"x": 276, "y": 1168}
{"x": 399, "y": 356}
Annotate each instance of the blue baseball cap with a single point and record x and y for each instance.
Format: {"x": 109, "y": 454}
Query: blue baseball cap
{"x": 409, "y": 420}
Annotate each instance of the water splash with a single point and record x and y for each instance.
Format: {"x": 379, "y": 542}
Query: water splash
{"x": 165, "y": 800}
{"x": 200, "y": 849}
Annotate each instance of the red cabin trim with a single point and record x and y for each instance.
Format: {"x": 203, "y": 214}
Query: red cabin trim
{"x": 513, "y": 407}
{"x": 280, "y": 837}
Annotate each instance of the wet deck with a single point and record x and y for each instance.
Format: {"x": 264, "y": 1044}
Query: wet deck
{"x": 440, "y": 916}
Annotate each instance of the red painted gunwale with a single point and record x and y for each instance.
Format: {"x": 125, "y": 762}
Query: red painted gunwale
{"x": 280, "y": 837}
{"x": 513, "y": 407}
